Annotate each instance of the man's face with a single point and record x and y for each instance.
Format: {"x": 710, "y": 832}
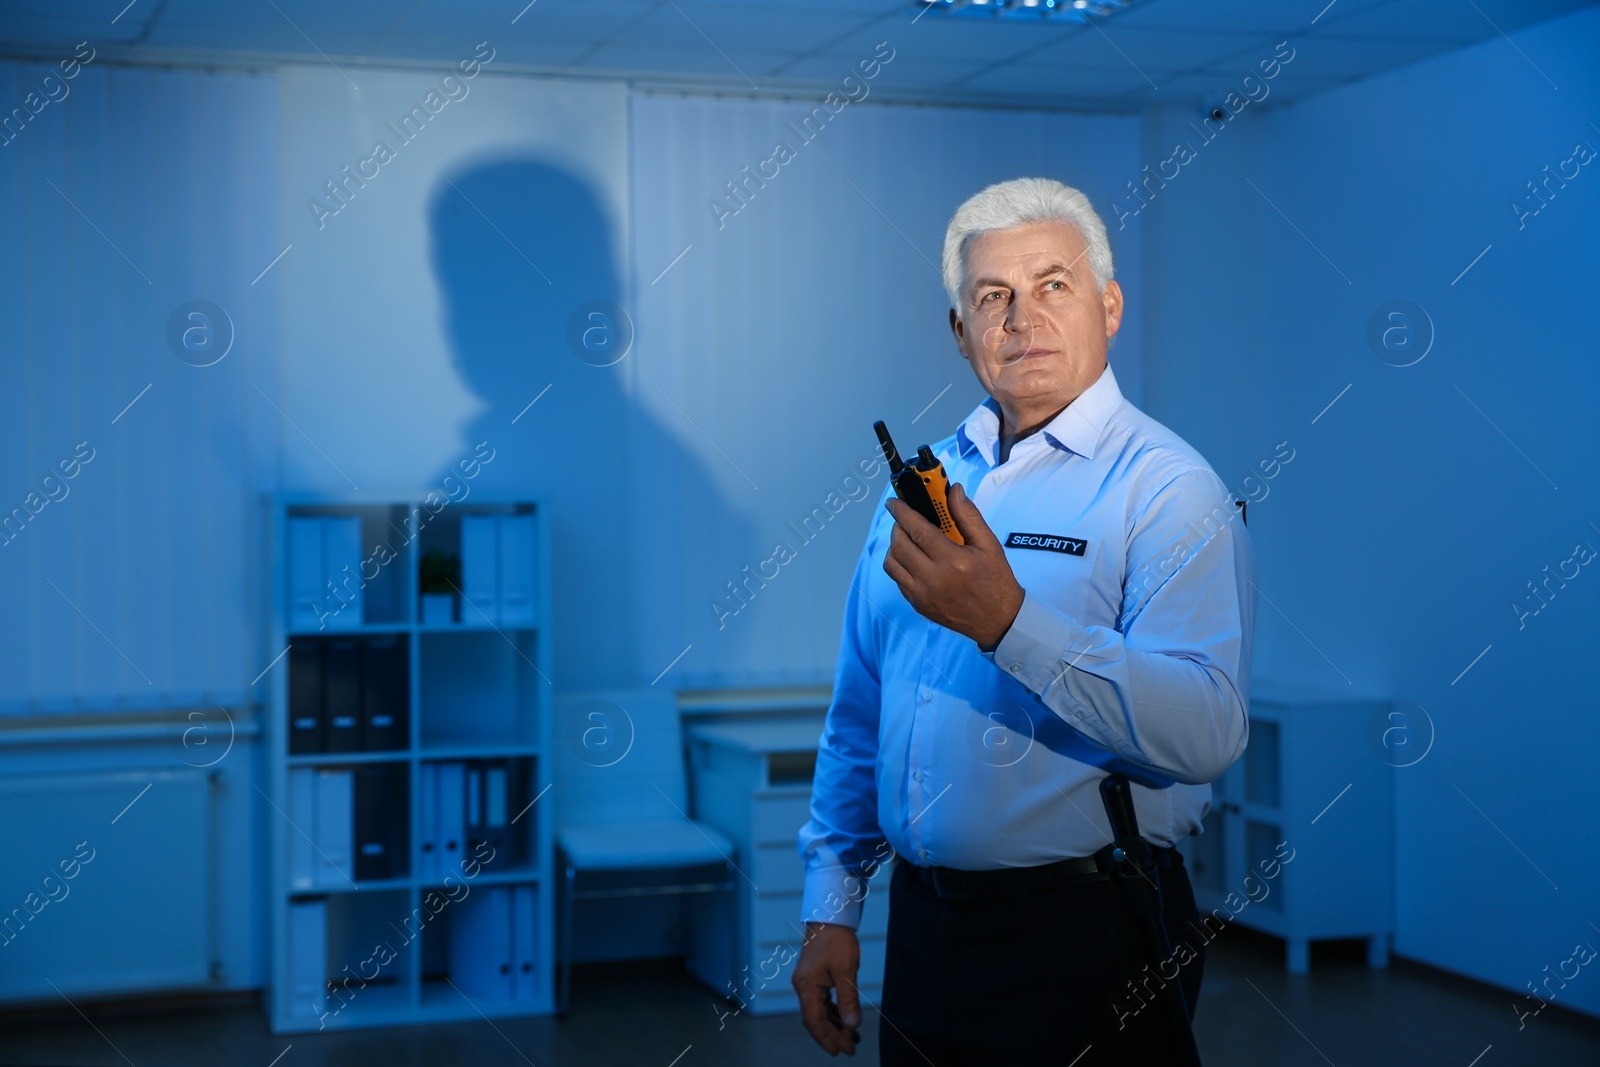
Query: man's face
{"x": 1030, "y": 321}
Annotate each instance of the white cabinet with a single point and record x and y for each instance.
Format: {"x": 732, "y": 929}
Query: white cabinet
{"x": 752, "y": 781}
{"x": 1299, "y": 842}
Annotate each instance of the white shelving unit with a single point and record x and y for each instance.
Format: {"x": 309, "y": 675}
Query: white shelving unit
{"x": 394, "y": 950}
{"x": 1312, "y": 780}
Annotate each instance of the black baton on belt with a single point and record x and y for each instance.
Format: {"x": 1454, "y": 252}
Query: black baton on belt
{"x": 1136, "y": 878}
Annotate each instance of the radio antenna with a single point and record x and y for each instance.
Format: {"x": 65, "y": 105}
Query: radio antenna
{"x": 889, "y": 452}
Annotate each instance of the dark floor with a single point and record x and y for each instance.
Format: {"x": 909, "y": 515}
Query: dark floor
{"x": 1251, "y": 1015}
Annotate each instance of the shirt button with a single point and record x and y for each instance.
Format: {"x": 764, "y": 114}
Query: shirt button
{"x": 919, "y": 775}
{"x": 926, "y": 696}
{"x": 1016, "y": 668}
{"x": 922, "y": 853}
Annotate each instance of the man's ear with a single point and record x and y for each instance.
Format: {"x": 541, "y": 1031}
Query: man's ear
{"x": 960, "y": 331}
{"x": 1111, "y": 300}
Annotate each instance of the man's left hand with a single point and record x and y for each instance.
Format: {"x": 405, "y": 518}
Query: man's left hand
{"x": 967, "y": 588}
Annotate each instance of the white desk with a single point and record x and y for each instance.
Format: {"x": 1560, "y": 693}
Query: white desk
{"x": 752, "y": 781}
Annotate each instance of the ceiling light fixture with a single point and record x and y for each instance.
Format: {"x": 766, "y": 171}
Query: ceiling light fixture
{"x": 1079, "y": 11}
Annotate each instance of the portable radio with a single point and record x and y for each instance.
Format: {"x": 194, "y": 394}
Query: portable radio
{"x": 921, "y": 483}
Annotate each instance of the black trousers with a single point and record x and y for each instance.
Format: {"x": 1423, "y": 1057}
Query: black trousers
{"x": 1039, "y": 978}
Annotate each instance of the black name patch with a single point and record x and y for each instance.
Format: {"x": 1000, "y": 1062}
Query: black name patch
{"x": 1072, "y": 546}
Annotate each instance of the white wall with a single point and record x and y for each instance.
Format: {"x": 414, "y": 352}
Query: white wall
{"x": 136, "y": 192}
{"x": 1393, "y": 546}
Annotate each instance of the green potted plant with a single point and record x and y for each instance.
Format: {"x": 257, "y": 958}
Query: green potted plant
{"x": 440, "y": 581}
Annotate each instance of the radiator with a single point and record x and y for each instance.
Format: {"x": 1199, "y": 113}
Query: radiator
{"x": 105, "y": 883}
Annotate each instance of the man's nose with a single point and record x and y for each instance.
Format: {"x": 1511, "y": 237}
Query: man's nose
{"x": 1019, "y": 316}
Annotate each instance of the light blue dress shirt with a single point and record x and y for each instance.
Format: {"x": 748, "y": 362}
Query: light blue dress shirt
{"x": 1131, "y": 653}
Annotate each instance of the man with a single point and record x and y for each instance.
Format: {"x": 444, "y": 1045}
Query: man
{"x": 1098, "y": 619}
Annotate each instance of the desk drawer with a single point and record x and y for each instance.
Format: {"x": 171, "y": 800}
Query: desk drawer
{"x": 775, "y": 917}
{"x": 777, "y": 868}
{"x": 777, "y": 819}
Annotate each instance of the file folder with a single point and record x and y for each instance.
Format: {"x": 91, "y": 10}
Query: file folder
{"x": 305, "y": 698}
{"x": 525, "y": 943}
{"x": 480, "y": 580}
{"x": 428, "y": 823}
{"x": 304, "y": 863}
{"x": 481, "y": 944}
{"x": 517, "y": 590}
{"x": 385, "y": 694}
{"x": 474, "y": 800}
{"x": 341, "y": 572}
{"x": 304, "y": 552}
{"x": 335, "y": 827}
{"x": 381, "y": 816}
{"x": 308, "y": 958}
{"x": 452, "y": 818}
{"x": 341, "y": 696}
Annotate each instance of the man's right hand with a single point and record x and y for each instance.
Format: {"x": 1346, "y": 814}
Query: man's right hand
{"x": 828, "y": 963}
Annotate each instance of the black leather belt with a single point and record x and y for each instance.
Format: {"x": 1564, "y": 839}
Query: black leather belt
{"x": 952, "y": 884}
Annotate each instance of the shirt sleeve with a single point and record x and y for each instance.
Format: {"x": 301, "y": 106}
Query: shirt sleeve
{"x": 1170, "y": 690}
{"x": 842, "y": 844}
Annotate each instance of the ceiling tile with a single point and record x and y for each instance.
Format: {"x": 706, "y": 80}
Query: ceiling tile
{"x": 63, "y": 34}
{"x": 1323, "y": 58}
{"x": 546, "y": 22}
{"x": 1051, "y": 83}
{"x": 746, "y": 30}
{"x": 1152, "y": 49}
{"x": 1263, "y": 17}
{"x": 1444, "y": 22}
{"x": 951, "y": 39}
{"x": 898, "y": 74}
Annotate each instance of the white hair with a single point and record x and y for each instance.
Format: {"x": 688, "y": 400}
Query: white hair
{"x": 1006, "y": 205}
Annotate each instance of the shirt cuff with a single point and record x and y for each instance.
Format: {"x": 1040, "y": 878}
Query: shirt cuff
{"x": 1034, "y": 649}
{"x": 833, "y": 895}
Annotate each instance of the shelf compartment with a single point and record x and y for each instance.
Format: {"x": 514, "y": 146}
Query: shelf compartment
{"x": 348, "y": 826}
{"x": 1262, "y": 765}
{"x": 480, "y": 688}
{"x": 349, "y": 694}
{"x": 345, "y": 967}
{"x": 365, "y": 953}
{"x": 476, "y": 817}
{"x": 483, "y": 950}
{"x": 497, "y": 547}
{"x": 351, "y": 570}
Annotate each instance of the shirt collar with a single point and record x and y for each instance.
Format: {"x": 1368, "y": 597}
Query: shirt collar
{"x": 1077, "y": 428}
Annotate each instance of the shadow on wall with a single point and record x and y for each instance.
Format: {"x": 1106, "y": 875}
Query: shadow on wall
{"x": 522, "y": 249}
